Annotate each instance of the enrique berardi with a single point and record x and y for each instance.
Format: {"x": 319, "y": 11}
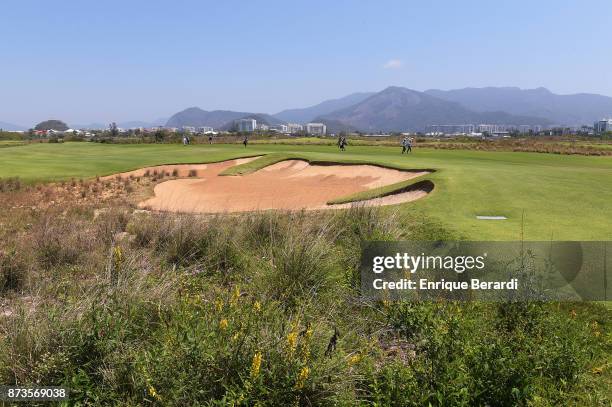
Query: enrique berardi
{"x": 426, "y": 284}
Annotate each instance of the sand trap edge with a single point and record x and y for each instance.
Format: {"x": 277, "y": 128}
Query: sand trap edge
{"x": 274, "y": 158}
{"x": 426, "y": 186}
{"x": 110, "y": 176}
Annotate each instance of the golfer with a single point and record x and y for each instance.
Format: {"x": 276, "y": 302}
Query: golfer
{"x": 409, "y": 145}
{"x": 404, "y": 144}
{"x": 342, "y": 143}
{"x": 245, "y": 141}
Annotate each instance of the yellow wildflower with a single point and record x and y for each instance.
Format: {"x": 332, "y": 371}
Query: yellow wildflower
{"x": 595, "y": 328}
{"x": 292, "y": 341}
{"x": 117, "y": 257}
{"x": 223, "y": 324}
{"x": 235, "y": 295}
{"x": 256, "y": 364}
{"x": 257, "y": 306}
{"x": 353, "y": 360}
{"x": 302, "y": 377}
{"x": 219, "y": 304}
{"x": 153, "y": 393}
{"x": 308, "y": 333}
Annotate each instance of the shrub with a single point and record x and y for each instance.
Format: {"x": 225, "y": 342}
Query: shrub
{"x": 13, "y": 270}
{"x": 58, "y": 241}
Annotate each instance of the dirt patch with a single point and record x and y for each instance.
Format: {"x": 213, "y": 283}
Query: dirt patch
{"x": 287, "y": 185}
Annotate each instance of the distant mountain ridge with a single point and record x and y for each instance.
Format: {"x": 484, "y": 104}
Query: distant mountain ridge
{"x": 194, "y": 116}
{"x": 398, "y": 109}
{"x": 308, "y": 114}
{"x": 219, "y": 119}
{"x": 11, "y": 127}
{"x": 401, "y": 109}
{"x": 569, "y": 110}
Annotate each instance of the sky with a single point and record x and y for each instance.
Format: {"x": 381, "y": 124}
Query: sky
{"x": 92, "y": 61}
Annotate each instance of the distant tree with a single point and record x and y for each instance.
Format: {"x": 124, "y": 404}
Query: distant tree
{"x": 56, "y": 125}
{"x": 113, "y": 129}
{"x": 159, "y": 136}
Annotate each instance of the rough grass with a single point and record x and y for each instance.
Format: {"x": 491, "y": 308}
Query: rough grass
{"x": 130, "y": 308}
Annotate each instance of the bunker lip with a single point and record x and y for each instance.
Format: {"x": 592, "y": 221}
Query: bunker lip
{"x": 182, "y": 168}
{"x": 292, "y": 184}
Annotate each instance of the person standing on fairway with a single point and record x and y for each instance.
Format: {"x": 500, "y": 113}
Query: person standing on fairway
{"x": 342, "y": 143}
{"x": 210, "y": 139}
{"x": 245, "y": 141}
{"x": 409, "y": 146}
{"x": 404, "y": 144}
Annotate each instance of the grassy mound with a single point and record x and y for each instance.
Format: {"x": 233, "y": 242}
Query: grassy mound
{"x": 258, "y": 164}
{"x": 397, "y": 188}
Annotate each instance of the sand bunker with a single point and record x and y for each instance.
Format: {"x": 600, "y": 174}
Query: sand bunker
{"x": 288, "y": 185}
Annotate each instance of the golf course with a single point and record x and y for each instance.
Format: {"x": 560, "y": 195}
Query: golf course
{"x": 543, "y": 196}
{"x": 135, "y": 273}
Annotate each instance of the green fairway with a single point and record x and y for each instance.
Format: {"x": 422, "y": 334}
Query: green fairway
{"x": 562, "y": 197}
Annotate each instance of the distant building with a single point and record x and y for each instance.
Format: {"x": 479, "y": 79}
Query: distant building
{"x": 294, "y": 128}
{"x": 263, "y": 127}
{"x": 602, "y": 126}
{"x": 316, "y": 129}
{"x": 487, "y": 128}
{"x": 205, "y": 129}
{"x": 281, "y": 128}
{"x": 246, "y": 125}
{"x": 452, "y": 128}
{"x": 189, "y": 129}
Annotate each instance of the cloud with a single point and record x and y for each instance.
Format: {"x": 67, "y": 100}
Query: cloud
{"x": 393, "y": 64}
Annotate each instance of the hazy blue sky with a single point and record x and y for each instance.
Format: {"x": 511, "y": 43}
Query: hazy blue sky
{"x": 96, "y": 61}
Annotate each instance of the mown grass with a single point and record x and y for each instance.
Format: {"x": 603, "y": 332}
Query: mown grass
{"x": 135, "y": 308}
{"x": 11, "y": 143}
{"x": 544, "y": 196}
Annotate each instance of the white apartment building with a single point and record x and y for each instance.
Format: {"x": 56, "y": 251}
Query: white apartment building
{"x": 205, "y": 129}
{"x": 246, "y": 125}
{"x": 316, "y": 129}
{"x": 281, "y": 128}
{"x": 602, "y": 126}
{"x": 294, "y": 128}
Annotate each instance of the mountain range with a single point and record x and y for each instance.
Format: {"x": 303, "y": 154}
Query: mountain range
{"x": 308, "y": 114}
{"x": 11, "y": 127}
{"x": 402, "y": 109}
{"x": 563, "y": 110}
{"x": 219, "y": 119}
{"x": 123, "y": 125}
